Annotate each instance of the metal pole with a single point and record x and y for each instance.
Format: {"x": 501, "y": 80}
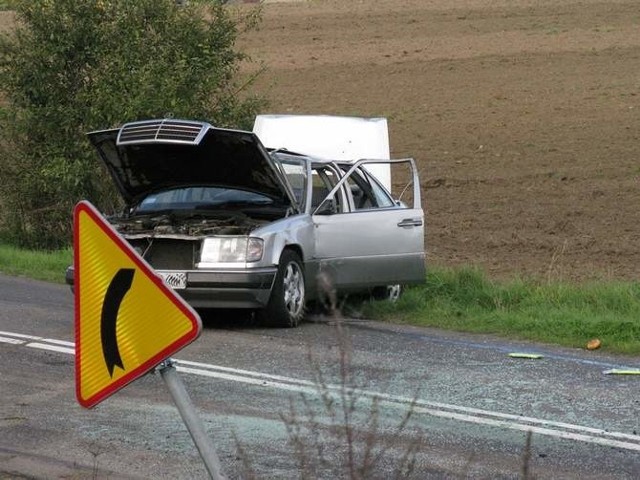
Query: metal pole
{"x": 190, "y": 418}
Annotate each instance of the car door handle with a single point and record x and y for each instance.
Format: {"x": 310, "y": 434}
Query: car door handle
{"x": 410, "y": 222}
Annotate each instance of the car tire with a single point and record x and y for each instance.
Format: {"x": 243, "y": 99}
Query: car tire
{"x": 390, "y": 292}
{"x": 286, "y": 307}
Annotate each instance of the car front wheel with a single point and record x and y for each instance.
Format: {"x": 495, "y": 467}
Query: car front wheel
{"x": 286, "y": 306}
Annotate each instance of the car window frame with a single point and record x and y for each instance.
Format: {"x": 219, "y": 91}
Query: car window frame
{"x": 292, "y": 158}
{"x": 371, "y": 188}
{"x": 344, "y": 177}
{"x": 344, "y": 199}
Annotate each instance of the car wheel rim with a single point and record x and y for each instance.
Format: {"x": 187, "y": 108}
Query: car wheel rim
{"x": 393, "y": 292}
{"x": 293, "y": 289}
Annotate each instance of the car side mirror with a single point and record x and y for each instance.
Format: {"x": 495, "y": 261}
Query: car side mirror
{"x": 328, "y": 207}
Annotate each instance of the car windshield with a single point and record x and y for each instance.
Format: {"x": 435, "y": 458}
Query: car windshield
{"x": 192, "y": 198}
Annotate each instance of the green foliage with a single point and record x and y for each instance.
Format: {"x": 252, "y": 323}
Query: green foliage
{"x": 559, "y": 313}
{"x": 40, "y": 265}
{"x": 71, "y": 67}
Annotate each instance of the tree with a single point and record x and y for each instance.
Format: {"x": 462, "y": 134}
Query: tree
{"x": 74, "y": 66}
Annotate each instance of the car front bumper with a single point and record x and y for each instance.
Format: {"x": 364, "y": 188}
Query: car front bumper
{"x": 218, "y": 289}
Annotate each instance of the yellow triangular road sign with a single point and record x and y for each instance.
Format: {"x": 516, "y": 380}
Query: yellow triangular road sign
{"x": 127, "y": 319}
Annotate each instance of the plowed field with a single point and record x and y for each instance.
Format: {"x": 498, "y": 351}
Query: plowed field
{"x": 524, "y": 116}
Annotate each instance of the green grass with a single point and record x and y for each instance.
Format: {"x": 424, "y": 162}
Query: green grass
{"x": 49, "y": 266}
{"x": 464, "y": 300}
{"x": 558, "y": 313}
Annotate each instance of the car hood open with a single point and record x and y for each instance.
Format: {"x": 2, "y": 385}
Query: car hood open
{"x": 154, "y": 155}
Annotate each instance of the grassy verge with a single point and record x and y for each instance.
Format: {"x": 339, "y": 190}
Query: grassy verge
{"x": 464, "y": 300}
{"x": 558, "y": 313}
{"x": 49, "y": 266}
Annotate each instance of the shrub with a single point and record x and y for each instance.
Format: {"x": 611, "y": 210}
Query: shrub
{"x": 70, "y": 67}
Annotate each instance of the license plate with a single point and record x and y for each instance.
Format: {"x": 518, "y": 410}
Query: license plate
{"x": 176, "y": 280}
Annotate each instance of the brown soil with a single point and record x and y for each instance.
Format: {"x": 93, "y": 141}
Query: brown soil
{"x": 524, "y": 116}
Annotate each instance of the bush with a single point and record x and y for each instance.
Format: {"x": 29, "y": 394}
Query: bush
{"x": 71, "y": 67}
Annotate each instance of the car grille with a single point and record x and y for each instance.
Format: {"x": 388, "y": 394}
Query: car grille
{"x": 166, "y": 131}
{"x": 168, "y": 254}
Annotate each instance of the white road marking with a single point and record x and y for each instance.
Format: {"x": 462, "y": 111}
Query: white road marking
{"x": 60, "y": 342}
{"x": 245, "y": 372}
{"x": 13, "y": 341}
{"x": 53, "y": 348}
{"x": 496, "y": 419}
{"x": 539, "y": 430}
{"x": 441, "y": 410}
{"x": 20, "y": 335}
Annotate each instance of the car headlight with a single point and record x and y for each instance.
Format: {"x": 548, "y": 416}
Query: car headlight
{"x": 231, "y": 249}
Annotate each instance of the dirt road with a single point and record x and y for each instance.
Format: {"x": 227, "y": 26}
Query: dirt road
{"x": 523, "y": 114}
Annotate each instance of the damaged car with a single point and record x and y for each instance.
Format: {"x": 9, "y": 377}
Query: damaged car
{"x": 228, "y": 223}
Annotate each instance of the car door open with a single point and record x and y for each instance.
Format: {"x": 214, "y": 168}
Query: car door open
{"x": 374, "y": 240}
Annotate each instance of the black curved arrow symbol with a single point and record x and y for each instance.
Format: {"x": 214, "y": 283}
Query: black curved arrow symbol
{"x": 118, "y": 288}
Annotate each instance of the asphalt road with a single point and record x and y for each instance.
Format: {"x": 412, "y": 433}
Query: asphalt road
{"x": 274, "y": 403}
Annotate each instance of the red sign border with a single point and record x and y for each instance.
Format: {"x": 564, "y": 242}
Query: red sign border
{"x": 86, "y": 207}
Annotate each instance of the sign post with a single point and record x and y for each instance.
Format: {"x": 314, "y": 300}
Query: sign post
{"x": 127, "y": 322}
{"x": 194, "y": 424}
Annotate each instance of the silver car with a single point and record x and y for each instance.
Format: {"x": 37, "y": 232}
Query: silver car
{"x": 229, "y": 224}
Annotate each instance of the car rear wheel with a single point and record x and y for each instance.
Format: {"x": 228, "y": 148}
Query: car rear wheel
{"x": 286, "y": 306}
{"x": 390, "y": 292}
